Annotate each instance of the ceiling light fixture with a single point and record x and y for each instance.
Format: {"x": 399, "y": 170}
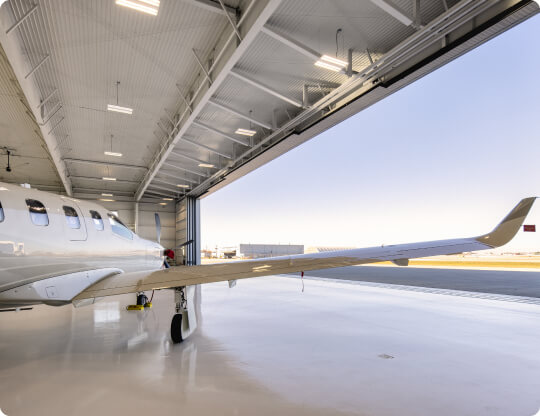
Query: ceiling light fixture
{"x": 106, "y": 178}
{"x": 106, "y": 200}
{"x": 106, "y": 194}
{"x": 145, "y": 6}
{"x": 168, "y": 199}
{"x": 206, "y": 165}
{"x": 115, "y": 154}
{"x": 333, "y": 64}
{"x": 117, "y": 108}
{"x": 246, "y": 132}
{"x": 162, "y": 203}
{"x": 182, "y": 186}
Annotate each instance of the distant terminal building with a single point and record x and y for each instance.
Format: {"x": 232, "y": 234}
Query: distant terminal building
{"x": 255, "y": 251}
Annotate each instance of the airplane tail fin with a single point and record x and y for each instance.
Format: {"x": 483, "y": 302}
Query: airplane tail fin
{"x": 509, "y": 226}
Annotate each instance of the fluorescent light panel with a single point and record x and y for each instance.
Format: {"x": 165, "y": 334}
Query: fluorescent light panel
{"x": 106, "y": 194}
{"x": 168, "y": 199}
{"x": 106, "y": 200}
{"x": 246, "y": 132}
{"x": 106, "y": 178}
{"x": 162, "y": 203}
{"x": 118, "y": 109}
{"x": 145, "y": 6}
{"x": 115, "y": 154}
{"x": 182, "y": 186}
{"x": 206, "y": 165}
{"x": 333, "y": 64}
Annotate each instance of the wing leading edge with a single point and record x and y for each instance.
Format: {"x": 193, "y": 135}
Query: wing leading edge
{"x": 192, "y": 275}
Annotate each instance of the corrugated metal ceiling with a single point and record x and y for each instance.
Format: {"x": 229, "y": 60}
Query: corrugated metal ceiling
{"x": 93, "y": 44}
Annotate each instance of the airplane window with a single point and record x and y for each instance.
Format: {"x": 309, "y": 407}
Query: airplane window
{"x": 38, "y": 213}
{"x": 119, "y": 228}
{"x": 1, "y": 213}
{"x": 98, "y": 222}
{"x": 72, "y": 218}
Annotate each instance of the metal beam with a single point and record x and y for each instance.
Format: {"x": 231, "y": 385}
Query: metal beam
{"x": 193, "y": 159}
{"x": 393, "y": 11}
{"x": 188, "y": 104}
{"x": 56, "y": 110}
{"x": 202, "y": 146}
{"x": 160, "y": 193}
{"x": 184, "y": 169}
{"x": 211, "y": 6}
{"x": 163, "y": 188}
{"x": 47, "y": 98}
{"x": 168, "y": 187}
{"x": 266, "y": 89}
{"x": 206, "y": 74}
{"x": 175, "y": 185}
{"x": 175, "y": 176}
{"x": 22, "y": 19}
{"x": 264, "y": 9}
{"x": 91, "y": 178}
{"x": 222, "y": 134}
{"x": 235, "y": 28}
{"x": 239, "y": 114}
{"x": 37, "y": 66}
{"x": 100, "y": 191}
{"x": 98, "y": 162}
{"x": 56, "y": 125}
{"x": 291, "y": 43}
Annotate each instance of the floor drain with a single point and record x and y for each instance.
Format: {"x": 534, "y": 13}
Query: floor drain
{"x": 385, "y": 356}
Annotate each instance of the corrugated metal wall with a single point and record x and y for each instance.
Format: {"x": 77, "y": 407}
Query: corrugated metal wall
{"x": 147, "y": 225}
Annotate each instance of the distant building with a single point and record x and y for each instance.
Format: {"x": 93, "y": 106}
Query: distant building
{"x": 255, "y": 251}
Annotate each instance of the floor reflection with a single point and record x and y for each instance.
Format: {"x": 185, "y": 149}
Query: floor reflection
{"x": 266, "y": 347}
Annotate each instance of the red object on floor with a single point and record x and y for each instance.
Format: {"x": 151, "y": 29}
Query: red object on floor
{"x": 169, "y": 253}
{"x": 529, "y": 228}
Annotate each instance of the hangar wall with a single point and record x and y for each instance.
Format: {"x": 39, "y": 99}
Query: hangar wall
{"x": 146, "y": 226}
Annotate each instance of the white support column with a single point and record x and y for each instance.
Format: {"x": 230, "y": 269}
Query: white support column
{"x": 136, "y": 225}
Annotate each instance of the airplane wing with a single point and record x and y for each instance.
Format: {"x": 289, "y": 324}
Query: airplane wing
{"x": 399, "y": 254}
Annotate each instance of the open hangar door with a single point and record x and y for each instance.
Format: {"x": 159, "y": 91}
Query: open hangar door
{"x": 251, "y": 80}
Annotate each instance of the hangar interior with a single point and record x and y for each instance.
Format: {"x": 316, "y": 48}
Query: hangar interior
{"x": 150, "y": 108}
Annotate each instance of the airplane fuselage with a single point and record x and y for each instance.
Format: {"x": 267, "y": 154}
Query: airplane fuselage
{"x": 43, "y": 235}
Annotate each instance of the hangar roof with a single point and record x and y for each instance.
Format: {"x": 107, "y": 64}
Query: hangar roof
{"x": 199, "y": 70}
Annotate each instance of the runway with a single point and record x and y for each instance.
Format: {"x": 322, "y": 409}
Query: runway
{"x": 267, "y": 348}
{"x": 497, "y": 281}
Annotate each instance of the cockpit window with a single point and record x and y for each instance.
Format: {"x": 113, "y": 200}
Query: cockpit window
{"x": 72, "y": 218}
{"x": 38, "y": 213}
{"x": 119, "y": 228}
{"x": 98, "y": 222}
{"x": 1, "y": 213}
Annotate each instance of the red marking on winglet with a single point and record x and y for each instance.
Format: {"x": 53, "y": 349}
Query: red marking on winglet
{"x": 529, "y": 228}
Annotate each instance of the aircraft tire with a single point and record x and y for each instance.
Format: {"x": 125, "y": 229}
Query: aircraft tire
{"x": 176, "y": 328}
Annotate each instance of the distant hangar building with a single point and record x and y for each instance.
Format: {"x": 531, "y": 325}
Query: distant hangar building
{"x": 255, "y": 251}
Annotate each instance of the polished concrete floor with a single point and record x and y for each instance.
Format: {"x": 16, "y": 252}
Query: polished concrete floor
{"x": 267, "y": 348}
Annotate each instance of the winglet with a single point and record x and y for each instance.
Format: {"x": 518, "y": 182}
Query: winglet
{"x": 509, "y": 226}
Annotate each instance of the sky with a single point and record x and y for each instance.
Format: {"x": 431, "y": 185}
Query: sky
{"x": 448, "y": 156}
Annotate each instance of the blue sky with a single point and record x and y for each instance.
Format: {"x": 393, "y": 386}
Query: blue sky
{"x": 447, "y": 156}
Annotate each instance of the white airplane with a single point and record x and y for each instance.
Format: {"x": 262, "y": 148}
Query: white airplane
{"x": 58, "y": 250}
